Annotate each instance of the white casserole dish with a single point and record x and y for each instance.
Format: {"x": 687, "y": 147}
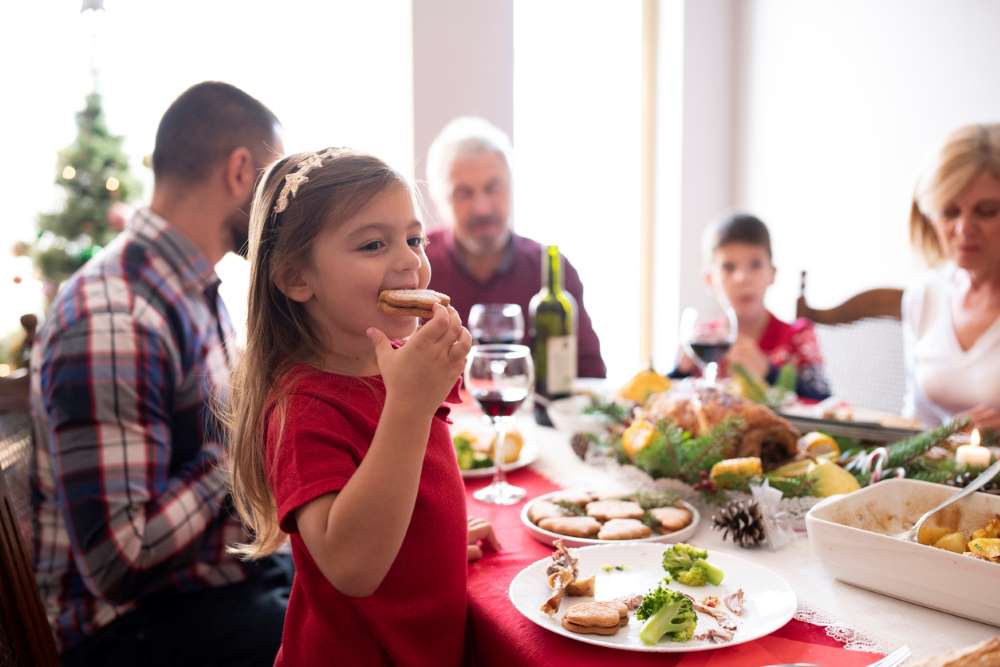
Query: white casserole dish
{"x": 851, "y": 536}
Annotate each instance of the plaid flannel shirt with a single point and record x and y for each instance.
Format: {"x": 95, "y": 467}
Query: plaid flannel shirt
{"x": 128, "y": 493}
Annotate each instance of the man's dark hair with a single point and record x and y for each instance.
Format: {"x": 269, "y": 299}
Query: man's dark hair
{"x": 739, "y": 228}
{"x": 204, "y": 125}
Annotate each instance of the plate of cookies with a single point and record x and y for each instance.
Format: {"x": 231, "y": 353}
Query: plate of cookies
{"x": 580, "y": 518}
{"x": 622, "y": 596}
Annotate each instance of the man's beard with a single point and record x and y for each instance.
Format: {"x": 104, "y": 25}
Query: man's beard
{"x": 484, "y": 245}
{"x": 238, "y": 226}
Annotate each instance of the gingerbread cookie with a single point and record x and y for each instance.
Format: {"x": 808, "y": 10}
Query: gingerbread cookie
{"x": 602, "y": 510}
{"x": 671, "y": 518}
{"x": 574, "y": 526}
{"x": 597, "y": 618}
{"x": 573, "y": 496}
{"x": 543, "y": 509}
{"x": 624, "y": 529}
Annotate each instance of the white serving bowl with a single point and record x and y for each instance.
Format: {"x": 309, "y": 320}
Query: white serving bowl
{"x": 567, "y": 414}
{"x": 851, "y": 536}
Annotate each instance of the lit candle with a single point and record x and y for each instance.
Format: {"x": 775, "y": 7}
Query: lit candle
{"x": 972, "y": 455}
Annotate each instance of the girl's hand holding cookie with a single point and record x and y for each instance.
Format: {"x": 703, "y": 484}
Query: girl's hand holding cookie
{"x": 426, "y": 368}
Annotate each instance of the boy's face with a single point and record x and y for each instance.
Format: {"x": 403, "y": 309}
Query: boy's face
{"x": 740, "y": 273}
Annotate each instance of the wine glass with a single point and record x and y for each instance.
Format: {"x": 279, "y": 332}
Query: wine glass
{"x": 707, "y": 335}
{"x": 496, "y": 323}
{"x": 500, "y": 378}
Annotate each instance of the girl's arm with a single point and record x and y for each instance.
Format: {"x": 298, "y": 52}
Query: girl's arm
{"x": 355, "y": 535}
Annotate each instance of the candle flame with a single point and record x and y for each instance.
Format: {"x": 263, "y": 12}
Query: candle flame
{"x": 974, "y": 439}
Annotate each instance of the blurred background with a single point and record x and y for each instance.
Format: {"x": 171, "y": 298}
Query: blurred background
{"x": 816, "y": 115}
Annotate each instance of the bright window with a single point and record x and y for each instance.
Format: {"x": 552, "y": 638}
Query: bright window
{"x": 577, "y": 94}
{"x": 335, "y": 73}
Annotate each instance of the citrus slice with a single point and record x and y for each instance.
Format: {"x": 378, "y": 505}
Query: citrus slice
{"x": 795, "y": 468}
{"x": 513, "y": 443}
{"x": 816, "y": 445}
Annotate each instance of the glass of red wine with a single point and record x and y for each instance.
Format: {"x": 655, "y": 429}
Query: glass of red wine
{"x": 707, "y": 335}
{"x": 500, "y": 378}
{"x": 496, "y": 324}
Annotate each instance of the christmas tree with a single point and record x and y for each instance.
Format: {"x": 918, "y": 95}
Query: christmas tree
{"x": 94, "y": 175}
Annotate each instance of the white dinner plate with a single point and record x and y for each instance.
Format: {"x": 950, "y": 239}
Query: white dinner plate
{"x": 529, "y": 452}
{"x": 548, "y": 537}
{"x": 769, "y": 601}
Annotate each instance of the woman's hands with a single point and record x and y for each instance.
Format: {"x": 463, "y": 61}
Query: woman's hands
{"x": 481, "y": 530}
{"x": 983, "y": 417}
{"x": 422, "y": 372}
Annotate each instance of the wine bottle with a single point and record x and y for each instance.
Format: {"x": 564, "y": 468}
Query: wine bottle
{"x": 553, "y": 336}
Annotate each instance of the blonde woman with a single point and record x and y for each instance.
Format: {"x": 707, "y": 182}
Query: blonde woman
{"x": 951, "y": 317}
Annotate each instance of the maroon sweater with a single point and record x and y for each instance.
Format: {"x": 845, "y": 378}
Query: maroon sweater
{"x": 517, "y": 280}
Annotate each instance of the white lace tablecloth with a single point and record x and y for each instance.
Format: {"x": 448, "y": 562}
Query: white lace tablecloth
{"x": 861, "y": 618}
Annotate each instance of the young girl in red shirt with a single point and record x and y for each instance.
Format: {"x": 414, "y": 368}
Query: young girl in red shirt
{"x": 339, "y": 436}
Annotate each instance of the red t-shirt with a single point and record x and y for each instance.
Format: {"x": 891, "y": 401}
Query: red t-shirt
{"x": 417, "y": 614}
{"x": 795, "y": 343}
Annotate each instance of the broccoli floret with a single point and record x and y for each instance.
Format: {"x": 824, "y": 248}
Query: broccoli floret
{"x": 667, "y": 614}
{"x": 681, "y": 557}
{"x": 464, "y": 452}
{"x": 692, "y": 577}
{"x": 687, "y": 565}
{"x": 701, "y": 572}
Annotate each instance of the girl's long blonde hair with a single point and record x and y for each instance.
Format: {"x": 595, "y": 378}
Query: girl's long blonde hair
{"x": 279, "y": 333}
{"x": 966, "y": 153}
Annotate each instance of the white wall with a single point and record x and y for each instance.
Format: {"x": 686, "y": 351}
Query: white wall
{"x": 697, "y": 123}
{"x": 839, "y": 104}
{"x": 463, "y": 64}
{"x": 577, "y": 154}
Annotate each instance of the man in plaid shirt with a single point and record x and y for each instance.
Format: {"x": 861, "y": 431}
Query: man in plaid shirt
{"x": 132, "y": 517}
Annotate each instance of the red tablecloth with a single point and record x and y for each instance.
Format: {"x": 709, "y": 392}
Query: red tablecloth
{"x": 501, "y": 636}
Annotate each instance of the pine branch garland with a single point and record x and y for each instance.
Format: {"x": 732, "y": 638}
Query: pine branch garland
{"x": 904, "y": 451}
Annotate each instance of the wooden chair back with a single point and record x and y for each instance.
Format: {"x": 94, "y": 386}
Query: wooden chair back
{"x": 874, "y": 303}
{"x": 14, "y": 389}
{"x": 25, "y": 636}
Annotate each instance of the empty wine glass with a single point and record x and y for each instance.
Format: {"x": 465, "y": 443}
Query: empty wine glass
{"x": 496, "y": 324}
{"x": 707, "y": 335}
{"x": 500, "y": 378}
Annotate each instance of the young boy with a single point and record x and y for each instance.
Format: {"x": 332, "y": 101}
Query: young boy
{"x": 738, "y": 251}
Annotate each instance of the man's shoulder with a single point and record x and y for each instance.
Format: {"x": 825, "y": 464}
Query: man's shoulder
{"x": 439, "y": 234}
{"x": 525, "y": 244}
{"x": 122, "y": 281}
{"x": 438, "y": 242}
{"x": 528, "y": 249}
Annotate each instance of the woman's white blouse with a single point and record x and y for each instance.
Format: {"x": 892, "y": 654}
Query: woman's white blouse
{"x": 942, "y": 379}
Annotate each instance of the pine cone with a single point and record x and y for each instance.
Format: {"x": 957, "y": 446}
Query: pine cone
{"x": 743, "y": 520}
{"x": 580, "y": 442}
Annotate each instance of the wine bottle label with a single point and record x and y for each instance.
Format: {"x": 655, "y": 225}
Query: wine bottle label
{"x": 561, "y": 366}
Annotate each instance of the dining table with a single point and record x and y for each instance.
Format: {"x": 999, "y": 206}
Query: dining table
{"x": 835, "y": 623}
